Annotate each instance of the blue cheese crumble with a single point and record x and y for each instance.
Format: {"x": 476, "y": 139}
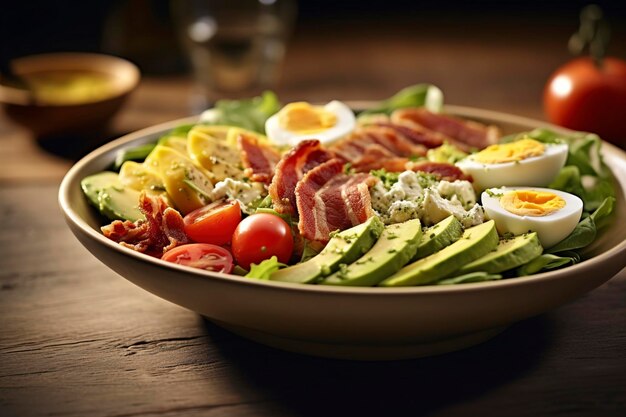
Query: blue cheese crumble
{"x": 415, "y": 195}
{"x": 246, "y": 193}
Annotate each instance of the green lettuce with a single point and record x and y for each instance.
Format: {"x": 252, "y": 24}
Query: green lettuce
{"x": 586, "y": 230}
{"x": 419, "y": 95}
{"x": 265, "y": 269}
{"x": 479, "y": 276}
{"x": 249, "y": 113}
{"x": 548, "y": 262}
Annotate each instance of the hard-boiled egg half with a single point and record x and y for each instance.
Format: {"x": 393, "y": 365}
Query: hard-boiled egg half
{"x": 553, "y": 214}
{"x": 524, "y": 162}
{"x": 298, "y": 121}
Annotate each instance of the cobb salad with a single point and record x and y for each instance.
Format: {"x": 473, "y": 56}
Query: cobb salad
{"x": 401, "y": 194}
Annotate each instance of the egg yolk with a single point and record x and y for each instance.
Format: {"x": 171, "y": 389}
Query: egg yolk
{"x": 301, "y": 117}
{"x": 531, "y": 203}
{"x": 510, "y": 152}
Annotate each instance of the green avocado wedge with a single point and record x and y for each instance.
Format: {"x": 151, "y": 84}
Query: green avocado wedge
{"x": 114, "y": 200}
{"x": 394, "y": 249}
{"x": 344, "y": 247}
{"x": 510, "y": 253}
{"x": 438, "y": 236}
{"x": 476, "y": 241}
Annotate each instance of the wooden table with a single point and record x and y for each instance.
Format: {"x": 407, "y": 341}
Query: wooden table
{"x": 78, "y": 340}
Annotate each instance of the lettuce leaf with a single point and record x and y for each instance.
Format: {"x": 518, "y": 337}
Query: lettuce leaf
{"x": 586, "y": 230}
{"x": 249, "y": 113}
{"x": 479, "y": 276}
{"x": 547, "y": 262}
{"x": 265, "y": 269}
{"x": 418, "y": 95}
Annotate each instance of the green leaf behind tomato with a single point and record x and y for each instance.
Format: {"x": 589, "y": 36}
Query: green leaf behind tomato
{"x": 265, "y": 269}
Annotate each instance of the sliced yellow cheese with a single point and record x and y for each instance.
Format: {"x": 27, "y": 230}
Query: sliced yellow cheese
{"x": 214, "y": 154}
{"x": 178, "y": 143}
{"x": 188, "y": 186}
{"x": 140, "y": 177}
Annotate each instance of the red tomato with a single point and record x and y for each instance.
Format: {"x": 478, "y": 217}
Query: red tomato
{"x": 582, "y": 96}
{"x": 201, "y": 255}
{"x": 214, "y": 223}
{"x": 261, "y": 236}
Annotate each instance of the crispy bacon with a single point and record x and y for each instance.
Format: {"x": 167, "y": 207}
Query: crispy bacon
{"x": 290, "y": 169}
{"x": 464, "y": 133}
{"x": 162, "y": 229}
{"x": 329, "y": 200}
{"x": 443, "y": 170}
{"x": 419, "y": 135}
{"x": 386, "y": 137}
{"x": 376, "y": 146}
{"x": 259, "y": 160}
{"x": 375, "y": 158}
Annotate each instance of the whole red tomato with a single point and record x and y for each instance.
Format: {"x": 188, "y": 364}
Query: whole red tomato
{"x": 583, "y": 96}
{"x": 261, "y": 236}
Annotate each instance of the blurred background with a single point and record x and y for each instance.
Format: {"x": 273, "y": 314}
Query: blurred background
{"x": 490, "y": 54}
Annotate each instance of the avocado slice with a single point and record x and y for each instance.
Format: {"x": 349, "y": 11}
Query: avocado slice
{"x": 114, "y": 201}
{"x": 394, "y": 249}
{"x": 344, "y": 247}
{"x": 438, "y": 236}
{"x": 475, "y": 242}
{"x": 510, "y": 253}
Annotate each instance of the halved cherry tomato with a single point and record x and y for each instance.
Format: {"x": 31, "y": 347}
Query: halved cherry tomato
{"x": 201, "y": 255}
{"x": 214, "y": 223}
{"x": 261, "y": 236}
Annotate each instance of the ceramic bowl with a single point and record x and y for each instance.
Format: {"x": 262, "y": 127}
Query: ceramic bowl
{"x": 351, "y": 323}
{"x": 47, "y": 119}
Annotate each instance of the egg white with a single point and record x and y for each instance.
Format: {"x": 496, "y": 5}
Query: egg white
{"x": 536, "y": 171}
{"x": 346, "y": 122}
{"x": 551, "y": 228}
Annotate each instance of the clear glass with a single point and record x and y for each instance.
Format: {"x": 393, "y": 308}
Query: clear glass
{"x": 236, "y": 47}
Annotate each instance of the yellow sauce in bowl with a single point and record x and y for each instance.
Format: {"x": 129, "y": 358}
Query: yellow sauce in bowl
{"x": 67, "y": 87}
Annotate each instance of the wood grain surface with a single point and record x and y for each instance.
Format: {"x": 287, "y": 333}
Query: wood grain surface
{"x": 78, "y": 340}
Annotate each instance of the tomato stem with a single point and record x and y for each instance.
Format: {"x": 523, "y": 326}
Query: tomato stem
{"x": 593, "y": 34}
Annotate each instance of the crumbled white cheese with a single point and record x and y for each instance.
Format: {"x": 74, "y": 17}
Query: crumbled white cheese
{"x": 458, "y": 190}
{"x": 416, "y": 196}
{"x": 244, "y": 192}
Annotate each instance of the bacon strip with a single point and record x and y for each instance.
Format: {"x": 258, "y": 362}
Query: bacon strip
{"x": 465, "y": 133}
{"x": 387, "y": 138}
{"x": 330, "y": 200}
{"x": 443, "y": 170}
{"x": 162, "y": 230}
{"x": 373, "y": 158}
{"x": 419, "y": 135}
{"x": 290, "y": 169}
{"x": 259, "y": 160}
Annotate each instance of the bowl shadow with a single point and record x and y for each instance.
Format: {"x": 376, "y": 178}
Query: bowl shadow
{"x": 75, "y": 146}
{"x": 311, "y": 386}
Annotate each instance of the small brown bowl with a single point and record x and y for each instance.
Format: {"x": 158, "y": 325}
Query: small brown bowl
{"x": 50, "y": 119}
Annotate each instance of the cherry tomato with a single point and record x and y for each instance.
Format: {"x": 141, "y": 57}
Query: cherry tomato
{"x": 583, "y": 96}
{"x": 261, "y": 236}
{"x": 201, "y": 255}
{"x": 214, "y": 223}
